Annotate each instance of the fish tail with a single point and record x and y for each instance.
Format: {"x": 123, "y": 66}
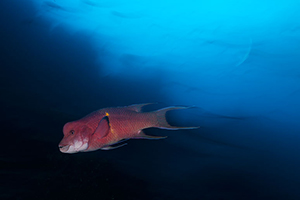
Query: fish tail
{"x": 162, "y": 121}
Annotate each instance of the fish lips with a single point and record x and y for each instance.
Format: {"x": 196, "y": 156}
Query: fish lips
{"x": 64, "y": 148}
{"x": 78, "y": 147}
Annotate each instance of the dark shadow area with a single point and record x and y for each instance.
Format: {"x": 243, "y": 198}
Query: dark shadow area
{"x": 47, "y": 80}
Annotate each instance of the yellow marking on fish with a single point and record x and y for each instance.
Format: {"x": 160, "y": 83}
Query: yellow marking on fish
{"x": 107, "y": 114}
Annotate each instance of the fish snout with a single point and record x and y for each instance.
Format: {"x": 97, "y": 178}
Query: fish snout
{"x": 63, "y": 148}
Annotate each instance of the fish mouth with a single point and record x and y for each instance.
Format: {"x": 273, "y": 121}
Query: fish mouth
{"x": 64, "y": 148}
{"x": 72, "y": 148}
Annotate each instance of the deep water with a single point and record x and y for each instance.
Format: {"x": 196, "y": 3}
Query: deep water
{"x": 236, "y": 64}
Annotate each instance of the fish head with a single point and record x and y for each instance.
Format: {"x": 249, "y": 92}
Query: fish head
{"x": 76, "y": 137}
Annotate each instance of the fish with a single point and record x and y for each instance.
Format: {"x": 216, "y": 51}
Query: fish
{"x": 108, "y": 128}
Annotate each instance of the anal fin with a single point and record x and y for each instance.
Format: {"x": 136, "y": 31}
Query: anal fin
{"x": 142, "y": 135}
{"x": 113, "y": 147}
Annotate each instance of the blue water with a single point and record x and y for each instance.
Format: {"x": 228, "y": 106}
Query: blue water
{"x": 236, "y": 62}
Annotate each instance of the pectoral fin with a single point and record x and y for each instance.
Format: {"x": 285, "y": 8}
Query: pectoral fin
{"x": 103, "y": 128}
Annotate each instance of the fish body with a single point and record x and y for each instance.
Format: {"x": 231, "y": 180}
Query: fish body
{"x": 105, "y": 128}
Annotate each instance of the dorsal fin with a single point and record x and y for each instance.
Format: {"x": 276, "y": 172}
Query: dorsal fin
{"x": 137, "y": 107}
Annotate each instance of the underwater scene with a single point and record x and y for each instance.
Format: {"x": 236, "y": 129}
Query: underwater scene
{"x": 150, "y": 99}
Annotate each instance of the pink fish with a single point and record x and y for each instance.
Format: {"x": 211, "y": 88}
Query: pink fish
{"x": 106, "y": 128}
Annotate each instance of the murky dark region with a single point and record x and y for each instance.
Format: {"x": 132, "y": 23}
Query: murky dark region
{"x": 235, "y": 64}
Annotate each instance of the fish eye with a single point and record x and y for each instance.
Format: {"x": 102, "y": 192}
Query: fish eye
{"x": 72, "y": 132}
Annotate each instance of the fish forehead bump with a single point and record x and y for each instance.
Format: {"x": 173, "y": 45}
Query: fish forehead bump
{"x": 68, "y": 126}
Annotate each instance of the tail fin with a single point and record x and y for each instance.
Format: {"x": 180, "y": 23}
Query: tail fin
{"x": 162, "y": 121}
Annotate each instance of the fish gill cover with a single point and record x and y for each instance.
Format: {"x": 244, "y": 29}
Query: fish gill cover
{"x": 236, "y": 62}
